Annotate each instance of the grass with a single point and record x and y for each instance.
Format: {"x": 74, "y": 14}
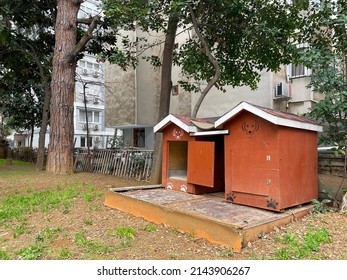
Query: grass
{"x": 32, "y": 252}
{"x": 39, "y": 247}
{"x": 21, "y": 228}
{"x": 92, "y": 246}
{"x": 4, "y": 255}
{"x": 149, "y": 228}
{"x": 16, "y": 205}
{"x": 124, "y": 232}
{"x": 15, "y": 162}
{"x": 64, "y": 254}
{"x": 88, "y": 222}
{"x": 302, "y": 248}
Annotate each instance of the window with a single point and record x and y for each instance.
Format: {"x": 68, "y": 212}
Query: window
{"x": 82, "y": 63}
{"x": 299, "y": 70}
{"x": 174, "y": 90}
{"x": 93, "y": 116}
{"x": 84, "y": 142}
{"x": 139, "y": 137}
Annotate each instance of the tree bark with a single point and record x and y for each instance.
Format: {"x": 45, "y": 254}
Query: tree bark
{"x": 89, "y": 167}
{"x": 40, "y": 162}
{"x": 165, "y": 93}
{"x": 211, "y": 58}
{"x": 61, "y": 144}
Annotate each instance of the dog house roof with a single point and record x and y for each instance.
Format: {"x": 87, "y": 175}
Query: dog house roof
{"x": 188, "y": 124}
{"x": 273, "y": 116}
{"x": 194, "y": 125}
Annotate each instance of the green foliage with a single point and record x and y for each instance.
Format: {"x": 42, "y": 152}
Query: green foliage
{"x": 124, "y": 232}
{"x": 321, "y": 206}
{"x": 36, "y": 250}
{"x": 150, "y": 228}
{"x": 80, "y": 239}
{"x": 16, "y": 205}
{"x": 64, "y": 254}
{"x": 245, "y": 37}
{"x": 32, "y": 252}
{"x": 116, "y": 142}
{"x": 88, "y": 197}
{"x": 4, "y": 255}
{"x": 15, "y": 162}
{"x": 228, "y": 253}
{"x": 302, "y": 248}
{"x": 26, "y": 43}
{"x": 88, "y": 222}
{"x": 21, "y": 229}
{"x": 48, "y": 234}
{"x": 175, "y": 256}
{"x": 92, "y": 246}
{"x": 326, "y": 33}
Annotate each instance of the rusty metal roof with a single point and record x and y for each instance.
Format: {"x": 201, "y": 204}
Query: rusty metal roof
{"x": 286, "y": 115}
{"x": 192, "y": 125}
{"x": 273, "y": 116}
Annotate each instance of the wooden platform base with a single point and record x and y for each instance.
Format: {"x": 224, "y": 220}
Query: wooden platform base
{"x": 209, "y": 217}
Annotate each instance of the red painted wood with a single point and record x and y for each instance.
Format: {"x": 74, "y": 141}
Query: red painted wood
{"x": 201, "y": 157}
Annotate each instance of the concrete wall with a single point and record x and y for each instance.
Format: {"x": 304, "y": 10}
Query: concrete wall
{"x": 119, "y": 96}
{"x": 148, "y": 82}
{"x": 216, "y": 103}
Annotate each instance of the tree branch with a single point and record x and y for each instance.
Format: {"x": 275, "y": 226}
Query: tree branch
{"x": 71, "y": 57}
{"x": 77, "y": 1}
{"x": 211, "y": 58}
{"x": 85, "y": 20}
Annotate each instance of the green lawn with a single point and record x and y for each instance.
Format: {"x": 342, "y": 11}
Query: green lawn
{"x": 15, "y": 162}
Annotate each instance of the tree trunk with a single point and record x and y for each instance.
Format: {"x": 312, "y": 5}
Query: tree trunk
{"x": 165, "y": 93}
{"x": 40, "y": 162}
{"x": 213, "y": 61}
{"x": 89, "y": 167}
{"x": 61, "y": 144}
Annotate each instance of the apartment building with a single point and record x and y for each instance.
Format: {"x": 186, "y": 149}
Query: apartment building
{"x": 133, "y": 95}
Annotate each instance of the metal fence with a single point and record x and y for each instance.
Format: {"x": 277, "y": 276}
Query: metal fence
{"x": 126, "y": 163}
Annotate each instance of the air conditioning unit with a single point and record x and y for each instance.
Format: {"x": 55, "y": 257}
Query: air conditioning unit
{"x": 84, "y": 71}
{"x": 282, "y": 90}
{"x": 96, "y": 127}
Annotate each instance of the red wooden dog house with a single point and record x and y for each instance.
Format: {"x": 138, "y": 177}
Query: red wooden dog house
{"x": 257, "y": 156}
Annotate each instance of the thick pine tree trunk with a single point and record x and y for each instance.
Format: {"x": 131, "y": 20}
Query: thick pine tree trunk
{"x": 61, "y": 144}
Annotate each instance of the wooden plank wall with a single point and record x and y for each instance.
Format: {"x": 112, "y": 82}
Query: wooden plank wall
{"x": 127, "y": 163}
{"x": 330, "y": 163}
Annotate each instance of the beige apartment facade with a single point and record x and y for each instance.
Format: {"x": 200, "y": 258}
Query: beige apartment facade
{"x": 132, "y": 96}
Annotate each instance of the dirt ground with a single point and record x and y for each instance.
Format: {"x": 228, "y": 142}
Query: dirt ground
{"x": 96, "y": 224}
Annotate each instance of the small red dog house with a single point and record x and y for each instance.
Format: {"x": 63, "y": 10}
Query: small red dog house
{"x": 257, "y": 156}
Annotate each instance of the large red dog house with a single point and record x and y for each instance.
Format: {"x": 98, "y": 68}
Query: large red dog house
{"x": 256, "y": 156}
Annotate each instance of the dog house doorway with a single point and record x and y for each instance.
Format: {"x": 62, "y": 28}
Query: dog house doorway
{"x": 178, "y": 160}
{"x": 198, "y": 163}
